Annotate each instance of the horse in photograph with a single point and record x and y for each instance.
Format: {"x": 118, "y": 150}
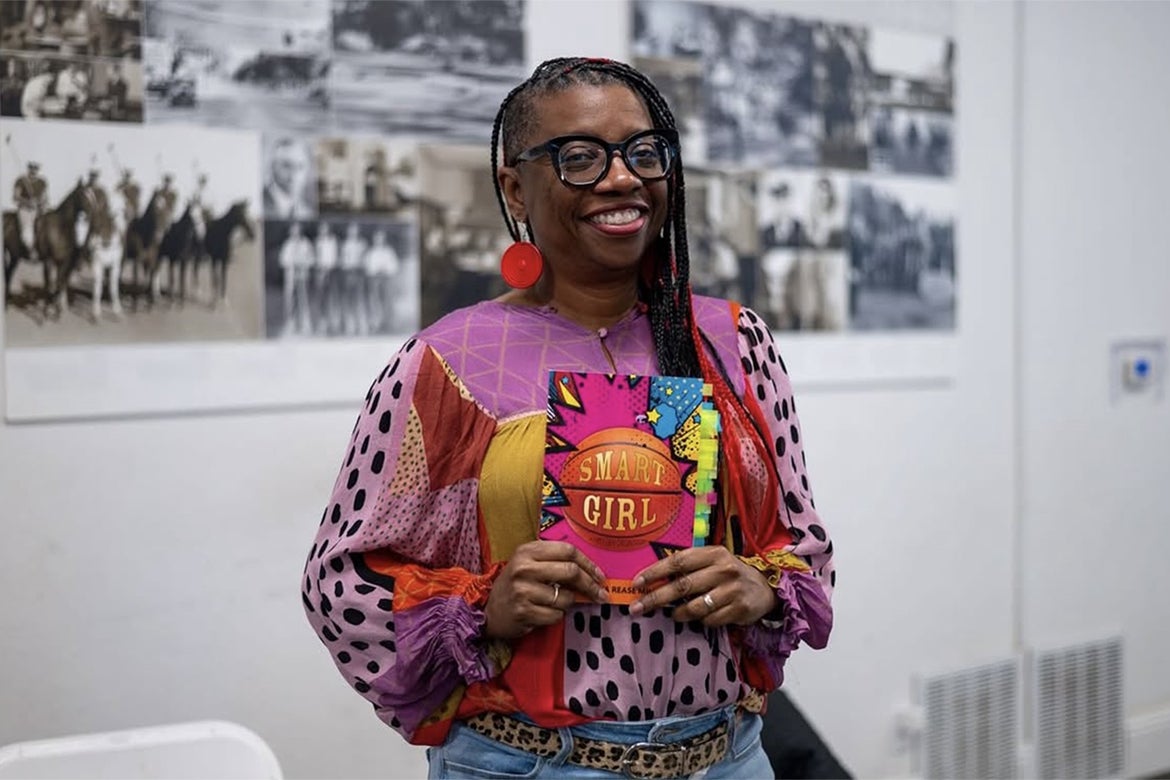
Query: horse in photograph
{"x": 181, "y": 244}
{"x": 219, "y": 241}
{"x": 59, "y": 245}
{"x": 144, "y": 237}
{"x": 105, "y": 248}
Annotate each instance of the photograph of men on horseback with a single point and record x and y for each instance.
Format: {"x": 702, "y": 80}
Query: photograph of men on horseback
{"x": 115, "y": 235}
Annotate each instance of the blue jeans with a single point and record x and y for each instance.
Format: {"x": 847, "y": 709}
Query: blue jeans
{"x": 469, "y": 754}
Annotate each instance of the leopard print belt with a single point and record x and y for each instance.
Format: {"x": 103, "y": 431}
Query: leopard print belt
{"x": 640, "y": 759}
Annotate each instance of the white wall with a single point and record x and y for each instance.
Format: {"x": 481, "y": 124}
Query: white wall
{"x": 150, "y": 568}
{"x": 1094, "y": 267}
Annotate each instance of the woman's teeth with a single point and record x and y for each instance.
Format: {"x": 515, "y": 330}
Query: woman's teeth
{"x": 624, "y": 217}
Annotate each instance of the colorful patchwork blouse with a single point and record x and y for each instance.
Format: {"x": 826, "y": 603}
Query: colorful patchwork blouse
{"x": 442, "y": 481}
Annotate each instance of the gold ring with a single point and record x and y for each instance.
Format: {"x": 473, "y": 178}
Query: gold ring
{"x": 556, "y": 586}
{"x": 710, "y": 602}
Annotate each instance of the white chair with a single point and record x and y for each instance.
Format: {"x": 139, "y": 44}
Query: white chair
{"x": 207, "y": 750}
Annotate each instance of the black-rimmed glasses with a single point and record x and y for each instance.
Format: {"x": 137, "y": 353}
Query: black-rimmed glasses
{"x": 583, "y": 160}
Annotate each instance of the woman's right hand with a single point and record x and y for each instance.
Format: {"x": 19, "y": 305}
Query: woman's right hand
{"x": 540, "y": 581}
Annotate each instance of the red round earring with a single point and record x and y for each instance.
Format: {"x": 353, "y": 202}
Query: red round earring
{"x": 521, "y": 265}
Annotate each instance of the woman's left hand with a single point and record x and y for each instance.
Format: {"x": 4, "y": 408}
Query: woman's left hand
{"x": 708, "y": 584}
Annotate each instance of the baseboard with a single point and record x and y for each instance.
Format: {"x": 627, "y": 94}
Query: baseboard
{"x": 1149, "y": 744}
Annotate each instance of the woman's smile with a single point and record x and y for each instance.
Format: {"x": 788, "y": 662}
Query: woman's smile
{"x": 619, "y": 221}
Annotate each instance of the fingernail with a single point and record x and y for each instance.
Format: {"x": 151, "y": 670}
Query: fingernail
{"x": 603, "y": 595}
{"x": 636, "y": 608}
{"x": 639, "y": 582}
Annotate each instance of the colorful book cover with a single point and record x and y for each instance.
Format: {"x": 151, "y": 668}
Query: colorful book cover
{"x": 629, "y": 469}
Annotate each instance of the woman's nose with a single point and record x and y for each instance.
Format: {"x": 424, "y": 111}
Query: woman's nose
{"x": 619, "y": 175}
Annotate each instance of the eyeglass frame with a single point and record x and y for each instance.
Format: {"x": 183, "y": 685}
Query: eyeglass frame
{"x": 552, "y": 148}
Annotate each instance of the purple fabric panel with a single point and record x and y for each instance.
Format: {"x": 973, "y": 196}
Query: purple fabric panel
{"x": 428, "y": 526}
{"x": 619, "y": 666}
{"x": 503, "y": 352}
{"x": 437, "y": 641}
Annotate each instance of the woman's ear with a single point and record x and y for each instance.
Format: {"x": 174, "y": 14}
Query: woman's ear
{"x": 509, "y": 179}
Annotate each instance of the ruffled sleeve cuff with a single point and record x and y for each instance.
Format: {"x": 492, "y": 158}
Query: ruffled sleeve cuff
{"x": 804, "y": 615}
{"x": 440, "y": 641}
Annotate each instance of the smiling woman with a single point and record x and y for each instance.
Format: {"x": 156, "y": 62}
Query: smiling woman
{"x": 427, "y": 581}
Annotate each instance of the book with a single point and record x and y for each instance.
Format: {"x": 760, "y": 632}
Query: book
{"x": 629, "y": 469}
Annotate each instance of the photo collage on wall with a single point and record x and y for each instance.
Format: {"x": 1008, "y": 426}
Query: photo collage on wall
{"x": 820, "y": 163}
{"x": 205, "y": 170}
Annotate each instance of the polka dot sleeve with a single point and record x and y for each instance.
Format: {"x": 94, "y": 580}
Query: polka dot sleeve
{"x": 394, "y": 584}
{"x": 800, "y": 568}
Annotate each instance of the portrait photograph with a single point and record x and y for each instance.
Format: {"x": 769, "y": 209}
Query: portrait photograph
{"x": 290, "y": 177}
{"x": 802, "y": 273}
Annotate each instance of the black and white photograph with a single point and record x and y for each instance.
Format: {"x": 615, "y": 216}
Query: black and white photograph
{"x": 438, "y": 69}
{"x": 260, "y": 64}
{"x": 721, "y": 223}
{"x": 901, "y": 255}
{"x": 364, "y": 175}
{"x": 801, "y": 284}
{"x": 841, "y": 81}
{"x": 680, "y": 81}
{"x": 88, "y": 28}
{"x": 909, "y": 141}
{"x": 461, "y": 230}
{"x": 38, "y": 86}
{"x": 290, "y": 177}
{"x": 338, "y": 277}
{"x": 760, "y": 90}
{"x": 669, "y": 29}
{"x": 117, "y": 234}
{"x": 911, "y": 70}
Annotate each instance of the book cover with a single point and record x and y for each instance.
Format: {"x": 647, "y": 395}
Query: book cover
{"x": 629, "y": 469}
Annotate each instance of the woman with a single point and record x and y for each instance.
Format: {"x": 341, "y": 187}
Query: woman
{"x": 426, "y": 582}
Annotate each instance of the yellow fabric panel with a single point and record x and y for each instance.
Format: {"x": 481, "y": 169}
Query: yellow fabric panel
{"x": 510, "y": 485}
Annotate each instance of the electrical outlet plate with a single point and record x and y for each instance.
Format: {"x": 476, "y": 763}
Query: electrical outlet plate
{"x": 1137, "y": 370}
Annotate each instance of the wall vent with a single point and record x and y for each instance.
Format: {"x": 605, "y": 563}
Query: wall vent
{"x": 971, "y": 722}
{"x": 1079, "y": 711}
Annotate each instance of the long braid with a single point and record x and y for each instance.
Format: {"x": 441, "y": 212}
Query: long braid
{"x": 668, "y": 293}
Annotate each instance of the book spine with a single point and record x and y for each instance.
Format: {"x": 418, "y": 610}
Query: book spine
{"x": 707, "y": 468}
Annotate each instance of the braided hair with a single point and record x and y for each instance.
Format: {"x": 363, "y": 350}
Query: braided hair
{"x": 666, "y": 288}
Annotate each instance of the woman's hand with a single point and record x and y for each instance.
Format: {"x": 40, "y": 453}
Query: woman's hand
{"x": 539, "y": 582}
{"x": 710, "y": 584}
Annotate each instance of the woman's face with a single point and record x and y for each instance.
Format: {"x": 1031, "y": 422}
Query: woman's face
{"x": 591, "y": 234}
